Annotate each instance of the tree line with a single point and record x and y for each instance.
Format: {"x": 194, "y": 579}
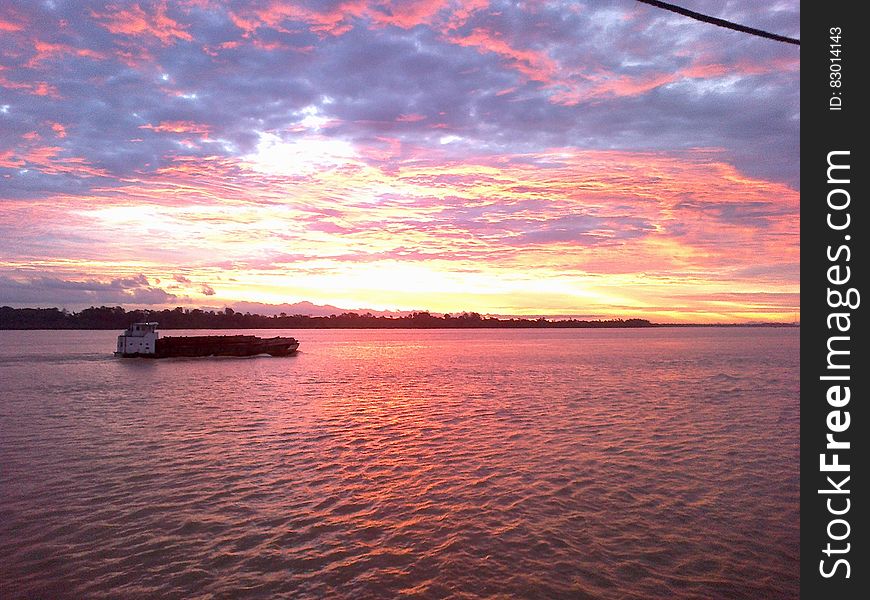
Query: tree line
{"x": 116, "y": 317}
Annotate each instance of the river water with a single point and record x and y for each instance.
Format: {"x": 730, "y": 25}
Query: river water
{"x": 650, "y": 463}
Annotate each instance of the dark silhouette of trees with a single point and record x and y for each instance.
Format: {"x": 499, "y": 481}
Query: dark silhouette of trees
{"x": 106, "y": 317}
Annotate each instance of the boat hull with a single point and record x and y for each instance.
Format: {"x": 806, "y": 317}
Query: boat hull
{"x": 217, "y": 345}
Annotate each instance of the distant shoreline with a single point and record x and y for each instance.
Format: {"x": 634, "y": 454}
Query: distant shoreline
{"x": 116, "y": 318}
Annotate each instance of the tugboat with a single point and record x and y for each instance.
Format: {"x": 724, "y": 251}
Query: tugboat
{"x": 143, "y": 340}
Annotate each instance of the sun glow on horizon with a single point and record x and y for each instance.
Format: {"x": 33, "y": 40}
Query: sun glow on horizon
{"x": 483, "y": 236}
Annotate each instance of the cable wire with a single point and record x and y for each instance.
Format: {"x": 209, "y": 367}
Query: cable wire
{"x": 720, "y": 22}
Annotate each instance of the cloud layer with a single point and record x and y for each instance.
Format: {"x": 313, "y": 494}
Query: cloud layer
{"x": 594, "y": 158}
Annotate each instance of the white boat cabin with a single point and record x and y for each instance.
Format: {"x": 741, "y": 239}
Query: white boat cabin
{"x": 139, "y": 338}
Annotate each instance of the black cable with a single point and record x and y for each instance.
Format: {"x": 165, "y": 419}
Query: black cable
{"x": 720, "y": 22}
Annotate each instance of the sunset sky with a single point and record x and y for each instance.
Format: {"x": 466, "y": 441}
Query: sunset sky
{"x": 590, "y": 158}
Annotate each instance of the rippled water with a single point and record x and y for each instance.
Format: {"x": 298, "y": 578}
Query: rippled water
{"x": 415, "y": 464}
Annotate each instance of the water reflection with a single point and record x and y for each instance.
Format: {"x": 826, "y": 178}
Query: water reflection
{"x": 603, "y": 464}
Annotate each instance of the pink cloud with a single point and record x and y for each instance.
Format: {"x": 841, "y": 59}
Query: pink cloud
{"x": 48, "y": 159}
{"x": 133, "y": 21}
{"x": 37, "y": 88}
{"x": 331, "y": 22}
{"x": 9, "y": 26}
{"x": 408, "y": 13}
{"x": 177, "y": 127}
{"x": 412, "y": 118}
{"x": 46, "y": 51}
{"x": 9, "y": 159}
{"x": 335, "y": 21}
{"x": 59, "y": 130}
{"x": 534, "y": 65}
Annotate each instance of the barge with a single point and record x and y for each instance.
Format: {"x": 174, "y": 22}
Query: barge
{"x": 143, "y": 340}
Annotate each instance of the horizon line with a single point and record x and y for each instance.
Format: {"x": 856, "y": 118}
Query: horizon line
{"x": 408, "y": 315}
